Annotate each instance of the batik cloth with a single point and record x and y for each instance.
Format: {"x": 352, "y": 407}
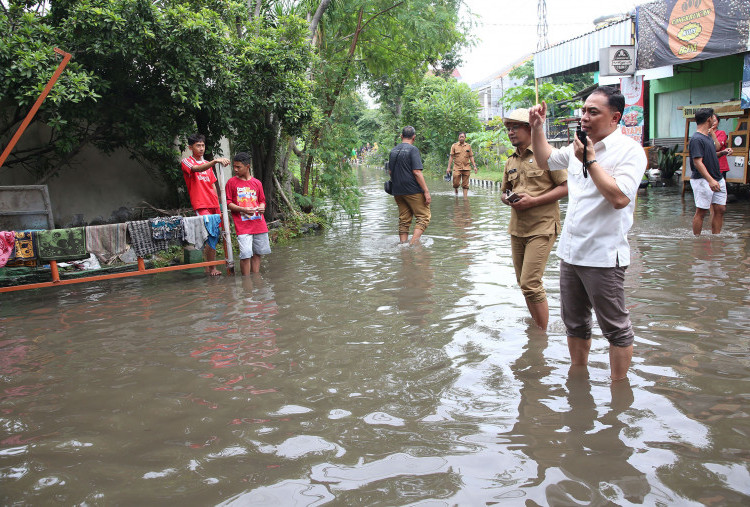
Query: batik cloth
{"x": 141, "y": 238}
{"x": 107, "y": 241}
{"x": 24, "y": 251}
{"x": 61, "y": 244}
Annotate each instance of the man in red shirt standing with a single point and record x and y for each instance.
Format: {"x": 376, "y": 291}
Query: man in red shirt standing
{"x": 203, "y": 188}
{"x": 247, "y": 202}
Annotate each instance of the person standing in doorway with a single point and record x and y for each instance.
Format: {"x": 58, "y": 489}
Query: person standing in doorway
{"x": 533, "y": 194}
{"x": 203, "y": 188}
{"x": 593, "y": 248}
{"x": 707, "y": 180}
{"x": 409, "y": 187}
{"x": 460, "y": 156}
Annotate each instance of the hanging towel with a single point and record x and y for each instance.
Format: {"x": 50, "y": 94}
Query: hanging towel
{"x": 107, "y": 241}
{"x": 212, "y": 228}
{"x": 61, "y": 244}
{"x": 194, "y": 231}
{"x": 24, "y": 251}
{"x": 8, "y": 245}
{"x": 140, "y": 238}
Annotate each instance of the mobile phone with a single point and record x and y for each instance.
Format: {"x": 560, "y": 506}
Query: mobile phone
{"x": 512, "y": 196}
{"x": 581, "y": 135}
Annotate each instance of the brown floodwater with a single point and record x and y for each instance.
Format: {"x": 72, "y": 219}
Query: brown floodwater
{"x": 357, "y": 371}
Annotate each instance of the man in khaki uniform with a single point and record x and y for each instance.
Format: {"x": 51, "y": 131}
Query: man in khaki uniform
{"x": 535, "y": 217}
{"x": 461, "y": 155}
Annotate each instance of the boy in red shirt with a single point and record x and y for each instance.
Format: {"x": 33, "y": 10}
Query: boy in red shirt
{"x": 247, "y": 202}
{"x": 203, "y": 188}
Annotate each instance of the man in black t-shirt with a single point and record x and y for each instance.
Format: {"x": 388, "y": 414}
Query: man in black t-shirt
{"x": 409, "y": 187}
{"x": 707, "y": 181}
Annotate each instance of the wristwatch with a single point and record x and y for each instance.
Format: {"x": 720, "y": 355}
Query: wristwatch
{"x": 588, "y": 163}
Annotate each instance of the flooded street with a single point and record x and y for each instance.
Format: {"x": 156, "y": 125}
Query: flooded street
{"x": 356, "y": 371}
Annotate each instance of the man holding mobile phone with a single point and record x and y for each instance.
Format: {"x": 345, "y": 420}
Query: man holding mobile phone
{"x": 533, "y": 194}
{"x": 593, "y": 248}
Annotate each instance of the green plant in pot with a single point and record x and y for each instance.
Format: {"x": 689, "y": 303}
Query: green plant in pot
{"x": 669, "y": 160}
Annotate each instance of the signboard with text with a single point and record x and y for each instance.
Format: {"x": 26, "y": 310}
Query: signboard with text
{"x": 671, "y": 32}
{"x": 631, "y": 122}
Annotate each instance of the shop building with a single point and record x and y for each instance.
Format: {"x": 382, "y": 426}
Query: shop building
{"x": 684, "y": 53}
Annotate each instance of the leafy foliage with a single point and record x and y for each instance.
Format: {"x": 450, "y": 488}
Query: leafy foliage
{"x": 146, "y": 73}
{"x": 491, "y": 147}
{"x": 556, "y": 89}
{"x": 669, "y": 160}
{"x": 385, "y": 44}
{"x": 439, "y": 109}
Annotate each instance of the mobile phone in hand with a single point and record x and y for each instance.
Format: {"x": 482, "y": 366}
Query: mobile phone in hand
{"x": 581, "y": 135}
{"x": 512, "y": 196}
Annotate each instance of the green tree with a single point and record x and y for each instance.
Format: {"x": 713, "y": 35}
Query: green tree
{"x": 552, "y": 90}
{"x": 372, "y": 42}
{"x": 439, "y": 109}
{"x": 147, "y": 73}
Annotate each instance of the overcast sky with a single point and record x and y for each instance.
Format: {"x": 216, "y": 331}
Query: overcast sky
{"x": 507, "y": 29}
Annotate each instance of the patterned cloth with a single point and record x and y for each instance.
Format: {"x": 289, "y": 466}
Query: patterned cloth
{"x": 8, "y": 245}
{"x": 195, "y": 231}
{"x": 24, "y": 252}
{"x": 166, "y": 230}
{"x": 107, "y": 241}
{"x": 141, "y": 238}
{"x": 61, "y": 244}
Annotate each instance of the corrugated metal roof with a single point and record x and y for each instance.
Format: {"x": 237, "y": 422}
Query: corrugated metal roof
{"x": 501, "y": 73}
{"x": 582, "y": 50}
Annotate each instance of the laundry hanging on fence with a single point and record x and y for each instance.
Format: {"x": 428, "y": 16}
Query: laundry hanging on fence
{"x": 61, "y": 244}
{"x": 107, "y": 242}
{"x": 166, "y": 230}
{"x": 8, "y": 245}
{"x": 141, "y": 239}
{"x": 212, "y": 227}
{"x": 195, "y": 232}
{"x": 24, "y": 251}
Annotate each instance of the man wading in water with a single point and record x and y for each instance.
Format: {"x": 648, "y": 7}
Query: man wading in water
{"x": 409, "y": 187}
{"x": 602, "y": 184}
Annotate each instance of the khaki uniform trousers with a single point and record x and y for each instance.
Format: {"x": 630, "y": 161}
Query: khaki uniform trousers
{"x": 410, "y": 206}
{"x": 530, "y": 256}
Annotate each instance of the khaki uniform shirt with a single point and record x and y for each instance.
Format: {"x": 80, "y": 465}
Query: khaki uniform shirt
{"x": 523, "y": 175}
{"x": 461, "y": 156}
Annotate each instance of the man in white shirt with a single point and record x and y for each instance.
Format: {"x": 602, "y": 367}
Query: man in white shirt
{"x": 593, "y": 247}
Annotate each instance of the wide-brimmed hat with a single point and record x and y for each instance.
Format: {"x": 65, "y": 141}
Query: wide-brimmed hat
{"x": 521, "y": 114}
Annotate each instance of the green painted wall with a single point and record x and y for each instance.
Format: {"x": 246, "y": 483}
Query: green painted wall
{"x": 727, "y": 69}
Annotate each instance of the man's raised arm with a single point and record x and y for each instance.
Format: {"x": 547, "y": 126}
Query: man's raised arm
{"x": 542, "y": 149}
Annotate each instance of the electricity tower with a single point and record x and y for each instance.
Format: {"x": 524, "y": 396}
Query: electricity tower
{"x": 542, "y": 42}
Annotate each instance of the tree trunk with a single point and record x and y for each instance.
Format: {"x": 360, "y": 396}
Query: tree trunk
{"x": 316, "y": 18}
{"x": 264, "y": 156}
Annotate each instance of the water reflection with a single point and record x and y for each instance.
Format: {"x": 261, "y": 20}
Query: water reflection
{"x": 354, "y": 370}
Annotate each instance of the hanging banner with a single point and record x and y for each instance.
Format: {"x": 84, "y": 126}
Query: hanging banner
{"x": 671, "y": 32}
{"x": 631, "y": 122}
{"x": 745, "y": 92}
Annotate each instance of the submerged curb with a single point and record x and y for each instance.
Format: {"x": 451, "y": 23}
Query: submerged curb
{"x": 494, "y": 185}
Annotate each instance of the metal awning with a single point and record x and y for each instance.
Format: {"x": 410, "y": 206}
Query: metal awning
{"x": 582, "y": 53}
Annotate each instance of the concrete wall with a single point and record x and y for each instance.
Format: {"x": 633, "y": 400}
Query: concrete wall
{"x": 97, "y": 186}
